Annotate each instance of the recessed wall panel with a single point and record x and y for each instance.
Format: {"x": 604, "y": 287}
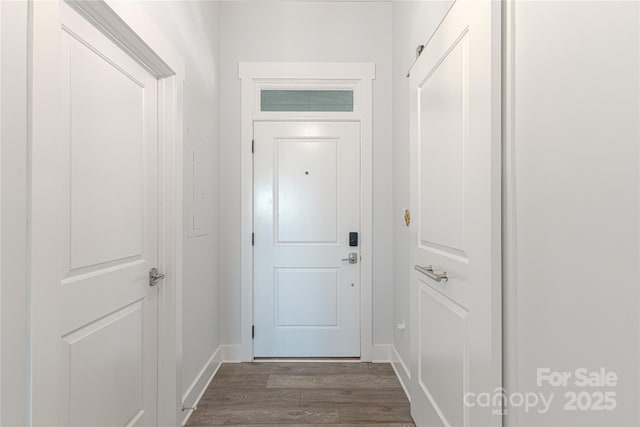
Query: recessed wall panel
{"x": 307, "y": 197}
{"x": 107, "y": 168}
{"x": 442, "y": 137}
{"x": 306, "y": 297}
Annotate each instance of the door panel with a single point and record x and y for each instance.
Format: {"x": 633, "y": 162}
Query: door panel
{"x": 103, "y": 201}
{"x": 455, "y": 202}
{"x": 307, "y": 208}
{"x": 306, "y": 201}
{"x": 298, "y": 293}
{"x": 442, "y": 353}
{"x": 106, "y": 312}
{"x": 442, "y": 138}
{"x": 94, "y": 377}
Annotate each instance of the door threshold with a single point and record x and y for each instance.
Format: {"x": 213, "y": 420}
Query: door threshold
{"x": 307, "y": 359}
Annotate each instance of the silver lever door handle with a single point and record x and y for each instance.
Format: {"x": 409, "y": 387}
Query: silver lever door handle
{"x": 353, "y": 258}
{"x": 154, "y": 276}
{"x": 428, "y": 271}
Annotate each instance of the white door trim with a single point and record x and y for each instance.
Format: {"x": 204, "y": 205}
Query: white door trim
{"x": 1, "y": 338}
{"x": 510, "y": 354}
{"x": 356, "y": 75}
{"x": 128, "y": 26}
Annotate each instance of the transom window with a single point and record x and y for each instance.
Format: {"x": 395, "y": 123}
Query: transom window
{"x": 306, "y": 100}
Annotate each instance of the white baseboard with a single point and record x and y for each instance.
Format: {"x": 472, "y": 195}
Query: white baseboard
{"x": 381, "y": 353}
{"x": 195, "y": 391}
{"x": 402, "y": 372}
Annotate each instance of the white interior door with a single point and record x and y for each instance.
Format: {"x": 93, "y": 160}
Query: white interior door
{"x": 306, "y": 202}
{"x": 455, "y": 202}
{"x": 103, "y": 219}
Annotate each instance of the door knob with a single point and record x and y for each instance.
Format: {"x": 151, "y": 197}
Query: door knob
{"x": 353, "y": 258}
{"x": 154, "y": 276}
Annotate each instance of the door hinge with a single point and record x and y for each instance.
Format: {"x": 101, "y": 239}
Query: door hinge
{"x": 253, "y": 239}
{"x": 252, "y": 145}
{"x": 253, "y": 331}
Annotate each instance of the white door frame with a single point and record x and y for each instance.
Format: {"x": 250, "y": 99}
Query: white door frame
{"x": 357, "y": 76}
{"x": 125, "y": 24}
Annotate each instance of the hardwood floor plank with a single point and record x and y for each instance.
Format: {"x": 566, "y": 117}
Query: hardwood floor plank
{"x": 235, "y": 380}
{"x": 380, "y": 368}
{"x": 319, "y": 368}
{"x": 361, "y": 413}
{"x": 380, "y": 396}
{"x": 304, "y": 413}
{"x": 228, "y": 397}
{"x": 332, "y": 381}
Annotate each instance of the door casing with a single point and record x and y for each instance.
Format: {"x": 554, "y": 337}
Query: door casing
{"x": 126, "y": 25}
{"x": 272, "y": 75}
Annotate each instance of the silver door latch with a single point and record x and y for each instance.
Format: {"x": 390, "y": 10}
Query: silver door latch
{"x": 353, "y": 258}
{"x": 154, "y": 276}
{"x": 428, "y": 271}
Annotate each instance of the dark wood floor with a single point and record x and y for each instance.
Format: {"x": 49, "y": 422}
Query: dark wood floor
{"x": 303, "y": 394}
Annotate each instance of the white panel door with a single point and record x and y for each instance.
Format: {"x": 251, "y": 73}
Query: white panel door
{"x": 455, "y": 205}
{"x": 306, "y": 201}
{"x": 105, "y": 309}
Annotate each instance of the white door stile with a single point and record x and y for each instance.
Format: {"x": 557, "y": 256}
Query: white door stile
{"x": 45, "y": 133}
{"x": 170, "y": 220}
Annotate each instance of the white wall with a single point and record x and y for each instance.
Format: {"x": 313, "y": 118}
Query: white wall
{"x": 576, "y": 157}
{"x": 14, "y": 359}
{"x": 413, "y": 24}
{"x": 299, "y": 32}
{"x": 193, "y": 29}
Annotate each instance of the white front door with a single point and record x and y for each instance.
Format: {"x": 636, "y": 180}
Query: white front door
{"x": 455, "y": 225}
{"x": 306, "y": 202}
{"x": 102, "y": 219}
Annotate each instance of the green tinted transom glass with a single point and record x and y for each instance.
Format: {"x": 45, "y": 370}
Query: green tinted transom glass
{"x": 306, "y": 100}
